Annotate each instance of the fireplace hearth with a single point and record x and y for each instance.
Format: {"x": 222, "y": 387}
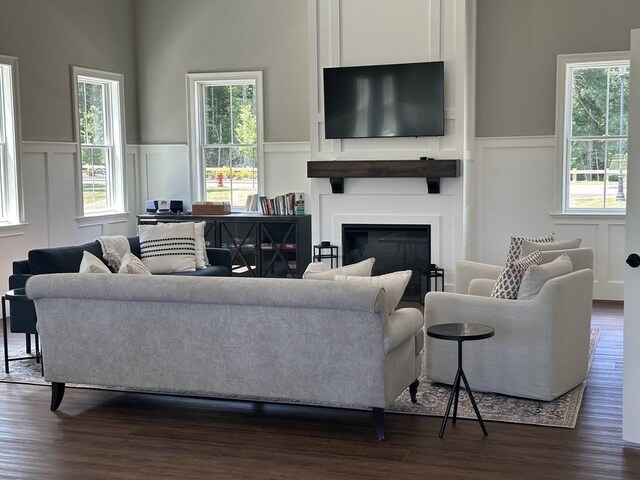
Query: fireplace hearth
{"x": 395, "y": 247}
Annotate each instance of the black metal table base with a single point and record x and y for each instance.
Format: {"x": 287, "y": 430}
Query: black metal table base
{"x": 35, "y": 357}
{"x": 455, "y": 395}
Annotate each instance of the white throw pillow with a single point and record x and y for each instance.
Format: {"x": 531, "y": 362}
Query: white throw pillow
{"x": 394, "y": 285}
{"x": 509, "y": 280}
{"x": 360, "y": 269}
{"x": 528, "y": 246}
{"x": 168, "y": 247}
{"x": 315, "y": 267}
{"x": 133, "y": 265}
{"x": 202, "y": 260}
{"x": 92, "y": 264}
{"x": 515, "y": 246}
{"x": 536, "y": 276}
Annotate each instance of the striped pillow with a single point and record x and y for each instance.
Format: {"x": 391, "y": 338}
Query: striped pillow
{"x": 168, "y": 247}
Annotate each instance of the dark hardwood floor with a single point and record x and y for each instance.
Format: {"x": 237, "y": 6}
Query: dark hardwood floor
{"x": 100, "y": 434}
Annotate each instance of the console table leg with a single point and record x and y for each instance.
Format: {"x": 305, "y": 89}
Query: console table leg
{"x": 473, "y": 402}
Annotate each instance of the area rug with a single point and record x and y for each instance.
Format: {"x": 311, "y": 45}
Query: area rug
{"x": 432, "y": 398}
{"x": 561, "y": 412}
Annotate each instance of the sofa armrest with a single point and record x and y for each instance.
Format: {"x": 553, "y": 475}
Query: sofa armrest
{"x": 402, "y": 325}
{"x": 220, "y": 257}
{"x": 467, "y": 271}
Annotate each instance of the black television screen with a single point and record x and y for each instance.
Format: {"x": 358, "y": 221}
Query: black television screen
{"x": 400, "y": 100}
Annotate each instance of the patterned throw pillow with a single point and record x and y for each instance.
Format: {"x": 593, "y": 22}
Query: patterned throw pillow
{"x": 508, "y": 282}
{"x": 515, "y": 247}
{"x": 133, "y": 265}
{"x": 168, "y": 247}
{"x": 92, "y": 264}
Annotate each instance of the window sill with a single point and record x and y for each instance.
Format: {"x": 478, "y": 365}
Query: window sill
{"x": 599, "y": 216}
{"x": 12, "y": 229}
{"x": 102, "y": 218}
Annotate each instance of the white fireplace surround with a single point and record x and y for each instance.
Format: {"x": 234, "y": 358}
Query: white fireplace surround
{"x": 337, "y": 220}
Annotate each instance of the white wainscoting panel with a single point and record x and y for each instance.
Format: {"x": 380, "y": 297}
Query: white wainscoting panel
{"x": 514, "y": 194}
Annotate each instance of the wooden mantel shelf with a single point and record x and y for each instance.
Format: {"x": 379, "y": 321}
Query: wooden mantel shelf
{"x": 337, "y": 170}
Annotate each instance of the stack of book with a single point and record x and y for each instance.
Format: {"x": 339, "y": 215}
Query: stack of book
{"x": 289, "y": 204}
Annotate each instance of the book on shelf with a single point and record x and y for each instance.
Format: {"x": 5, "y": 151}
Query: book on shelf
{"x": 291, "y": 203}
{"x": 251, "y": 204}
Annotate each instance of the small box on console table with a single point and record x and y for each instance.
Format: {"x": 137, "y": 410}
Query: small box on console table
{"x": 210, "y": 208}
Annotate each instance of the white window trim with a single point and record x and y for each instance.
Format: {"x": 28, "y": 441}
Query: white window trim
{"x": 194, "y": 118}
{"x": 119, "y": 140}
{"x": 13, "y": 188}
{"x": 563, "y": 105}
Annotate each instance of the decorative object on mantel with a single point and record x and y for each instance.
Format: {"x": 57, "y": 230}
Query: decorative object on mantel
{"x": 337, "y": 170}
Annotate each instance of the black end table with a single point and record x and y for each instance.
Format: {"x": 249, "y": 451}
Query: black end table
{"x": 460, "y": 332}
{"x": 15, "y": 295}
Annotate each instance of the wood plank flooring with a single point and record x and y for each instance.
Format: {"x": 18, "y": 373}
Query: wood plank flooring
{"x": 108, "y": 435}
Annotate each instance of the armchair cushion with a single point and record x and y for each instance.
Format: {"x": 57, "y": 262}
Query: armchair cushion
{"x": 508, "y": 282}
{"x": 537, "y": 275}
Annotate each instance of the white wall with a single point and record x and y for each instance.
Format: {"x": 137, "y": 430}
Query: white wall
{"x": 360, "y": 32}
{"x": 48, "y": 182}
{"x": 515, "y": 193}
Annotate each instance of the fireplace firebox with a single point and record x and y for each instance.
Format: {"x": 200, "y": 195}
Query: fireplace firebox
{"x": 395, "y": 247}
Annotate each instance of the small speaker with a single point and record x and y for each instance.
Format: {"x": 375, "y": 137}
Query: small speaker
{"x": 176, "y": 206}
{"x": 152, "y": 206}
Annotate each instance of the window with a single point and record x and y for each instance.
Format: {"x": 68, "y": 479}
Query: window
{"x": 9, "y": 142}
{"x": 225, "y": 123}
{"x": 99, "y": 107}
{"x": 593, "y": 115}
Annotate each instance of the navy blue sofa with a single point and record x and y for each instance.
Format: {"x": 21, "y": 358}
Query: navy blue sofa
{"x": 67, "y": 260}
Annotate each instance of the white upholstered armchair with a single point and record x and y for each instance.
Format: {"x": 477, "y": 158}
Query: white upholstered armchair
{"x": 541, "y": 346}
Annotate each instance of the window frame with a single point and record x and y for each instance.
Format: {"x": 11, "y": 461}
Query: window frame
{"x": 195, "y": 85}
{"x": 565, "y": 64}
{"x": 115, "y": 139}
{"x": 11, "y": 208}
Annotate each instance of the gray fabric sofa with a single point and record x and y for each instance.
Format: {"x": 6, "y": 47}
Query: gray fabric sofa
{"x": 282, "y": 340}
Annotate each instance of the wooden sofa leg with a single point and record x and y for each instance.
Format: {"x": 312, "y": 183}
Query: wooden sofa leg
{"x": 378, "y": 421}
{"x": 413, "y": 391}
{"x": 57, "y": 392}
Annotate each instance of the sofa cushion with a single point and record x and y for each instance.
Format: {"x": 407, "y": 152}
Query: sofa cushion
{"x": 92, "y": 264}
{"x": 202, "y": 261}
{"x": 508, "y": 281}
{"x": 536, "y": 276}
{"x": 394, "y": 285}
{"x": 360, "y": 269}
{"x": 131, "y": 264}
{"x": 61, "y": 259}
{"x": 168, "y": 247}
{"x": 515, "y": 246}
{"x": 529, "y": 246}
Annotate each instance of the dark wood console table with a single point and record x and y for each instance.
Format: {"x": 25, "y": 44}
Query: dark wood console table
{"x": 260, "y": 245}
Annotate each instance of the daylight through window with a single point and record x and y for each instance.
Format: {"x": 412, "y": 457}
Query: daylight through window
{"x": 226, "y": 135}
{"x": 595, "y": 138}
{"x": 9, "y": 143}
{"x": 101, "y": 139}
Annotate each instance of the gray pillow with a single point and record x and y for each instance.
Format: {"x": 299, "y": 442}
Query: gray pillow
{"x": 537, "y": 275}
{"x": 528, "y": 247}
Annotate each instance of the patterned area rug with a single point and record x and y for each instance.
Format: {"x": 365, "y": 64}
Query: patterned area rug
{"x": 432, "y": 398}
{"x": 561, "y": 412}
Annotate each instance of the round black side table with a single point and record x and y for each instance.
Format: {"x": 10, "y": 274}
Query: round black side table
{"x": 460, "y": 332}
{"x": 15, "y": 295}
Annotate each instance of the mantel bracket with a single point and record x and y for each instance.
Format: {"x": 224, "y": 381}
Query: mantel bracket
{"x": 337, "y": 184}
{"x": 433, "y": 184}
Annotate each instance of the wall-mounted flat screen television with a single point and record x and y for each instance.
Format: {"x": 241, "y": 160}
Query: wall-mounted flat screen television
{"x": 399, "y": 100}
